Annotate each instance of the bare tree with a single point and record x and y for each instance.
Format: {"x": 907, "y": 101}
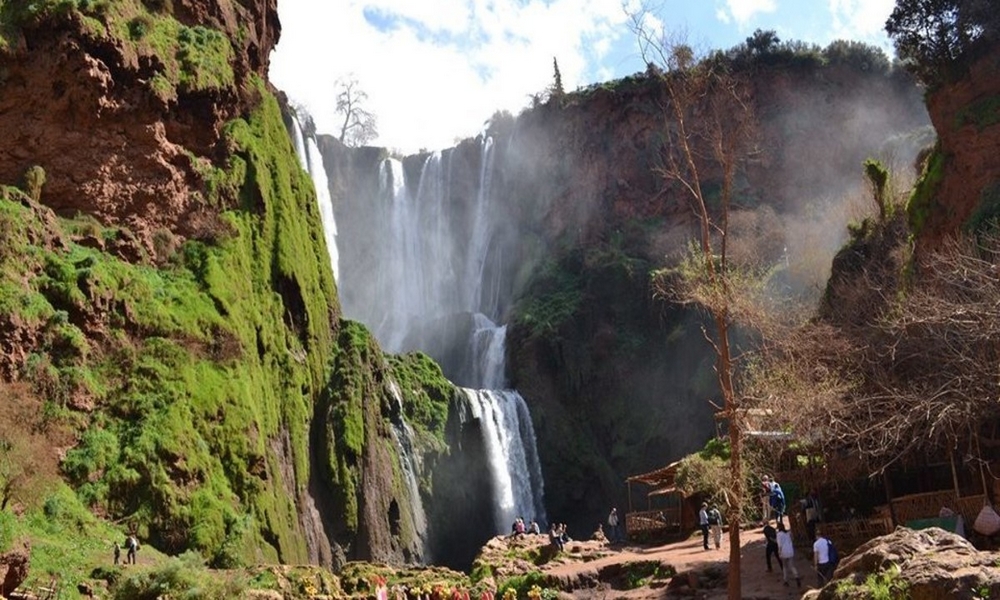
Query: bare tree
{"x": 709, "y": 126}
{"x": 360, "y": 125}
{"x": 917, "y": 373}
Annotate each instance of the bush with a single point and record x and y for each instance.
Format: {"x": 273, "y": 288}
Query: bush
{"x": 184, "y": 577}
{"x": 34, "y": 179}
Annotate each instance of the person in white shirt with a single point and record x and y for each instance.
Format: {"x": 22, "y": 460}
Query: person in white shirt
{"x": 821, "y": 559}
{"x": 786, "y": 552}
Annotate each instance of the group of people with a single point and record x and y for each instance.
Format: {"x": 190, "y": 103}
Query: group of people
{"x": 778, "y": 541}
{"x": 518, "y": 528}
{"x": 710, "y": 518}
{"x": 131, "y": 547}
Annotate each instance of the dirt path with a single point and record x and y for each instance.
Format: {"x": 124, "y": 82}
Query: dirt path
{"x": 688, "y": 555}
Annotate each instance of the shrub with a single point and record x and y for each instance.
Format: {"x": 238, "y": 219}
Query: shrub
{"x": 34, "y": 179}
{"x": 181, "y": 577}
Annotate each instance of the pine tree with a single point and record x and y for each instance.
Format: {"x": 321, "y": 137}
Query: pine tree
{"x": 557, "y": 86}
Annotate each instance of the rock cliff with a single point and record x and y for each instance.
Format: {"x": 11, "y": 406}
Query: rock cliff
{"x": 618, "y": 381}
{"x": 960, "y": 189}
{"x": 166, "y": 297}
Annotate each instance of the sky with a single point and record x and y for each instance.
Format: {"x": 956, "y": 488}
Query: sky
{"x": 434, "y": 71}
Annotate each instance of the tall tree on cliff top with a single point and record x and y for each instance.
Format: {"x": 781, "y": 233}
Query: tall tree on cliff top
{"x": 709, "y": 129}
{"x": 359, "y": 126}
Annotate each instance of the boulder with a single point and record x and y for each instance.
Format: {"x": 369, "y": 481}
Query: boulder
{"x": 932, "y": 563}
{"x": 14, "y": 568}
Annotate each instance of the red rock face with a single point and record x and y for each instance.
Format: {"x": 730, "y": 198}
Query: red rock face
{"x": 81, "y": 106}
{"x": 966, "y": 115}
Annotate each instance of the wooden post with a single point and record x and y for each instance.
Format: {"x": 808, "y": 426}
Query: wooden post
{"x": 954, "y": 475}
{"x": 888, "y": 497}
{"x": 982, "y": 475}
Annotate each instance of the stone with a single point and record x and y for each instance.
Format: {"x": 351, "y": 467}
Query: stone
{"x": 933, "y": 563}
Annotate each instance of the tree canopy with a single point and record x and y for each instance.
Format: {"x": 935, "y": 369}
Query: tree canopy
{"x": 934, "y": 37}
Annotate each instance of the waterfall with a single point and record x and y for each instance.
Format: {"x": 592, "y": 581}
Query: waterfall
{"x": 432, "y": 283}
{"x": 510, "y": 448}
{"x": 312, "y": 162}
{"x": 410, "y": 463}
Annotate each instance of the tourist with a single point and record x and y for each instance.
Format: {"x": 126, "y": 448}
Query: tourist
{"x": 118, "y": 552}
{"x": 131, "y": 547}
{"x": 771, "y": 546}
{"x": 715, "y": 521}
{"x": 614, "y": 534}
{"x": 555, "y": 537}
{"x": 812, "y": 512}
{"x": 776, "y": 499}
{"x": 822, "y": 560}
{"x": 786, "y": 552}
{"x": 534, "y": 528}
{"x": 703, "y": 523}
{"x": 765, "y": 499}
{"x": 563, "y": 535}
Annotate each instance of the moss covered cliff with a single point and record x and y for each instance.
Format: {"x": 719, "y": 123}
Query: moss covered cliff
{"x": 165, "y": 293}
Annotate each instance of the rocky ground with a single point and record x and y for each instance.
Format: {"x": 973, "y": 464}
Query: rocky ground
{"x": 924, "y": 564}
{"x": 596, "y": 569}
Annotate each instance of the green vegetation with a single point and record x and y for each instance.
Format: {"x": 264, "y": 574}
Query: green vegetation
{"x": 939, "y": 53}
{"x": 34, "y": 179}
{"x": 986, "y": 218}
{"x": 195, "y": 368}
{"x": 530, "y": 585}
{"x": 642, "y": 573}
{"x": 189, "y": 59}
{"x": 981, "y": 114}
{"x": 886, "y": 584}
{"x": 180, "y": 577}
{"x": 878, "y": 181}
{"x": 923, "y": 201}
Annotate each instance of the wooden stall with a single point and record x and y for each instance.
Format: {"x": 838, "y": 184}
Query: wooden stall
{"x": 665, "y": 514}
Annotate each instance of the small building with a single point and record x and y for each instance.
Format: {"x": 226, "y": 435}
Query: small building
{"x": 667, "y": 512}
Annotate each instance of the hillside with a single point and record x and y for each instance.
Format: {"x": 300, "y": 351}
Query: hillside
{"x": 171, "y": 345}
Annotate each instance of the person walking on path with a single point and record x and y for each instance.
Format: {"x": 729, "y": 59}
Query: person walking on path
{"x": 118, "y": 553}
{"x": 703, "y": 523}
{"x": 131, "y": 547}
{"x": 614, "y": 533}
{"x": 822, "y": 560}
{"x": 715, "y": 521}
{"x": 771, "y": 547}
{"x": 813, "y": 513}
{"x": 786, "y": 552}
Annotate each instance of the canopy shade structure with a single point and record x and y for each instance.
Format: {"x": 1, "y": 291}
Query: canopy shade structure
{"x": 661, "y": 480}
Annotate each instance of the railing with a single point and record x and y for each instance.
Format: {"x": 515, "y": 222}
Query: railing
{"x": 848, "y": 535}
{"x": 665, "y": 520}
{"x": 929, "y": 504}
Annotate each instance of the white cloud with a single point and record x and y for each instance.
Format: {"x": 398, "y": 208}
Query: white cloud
{"x": 434, "y": 72}
{"x": 742, "y": 11}
{"x": 860, "y": 19}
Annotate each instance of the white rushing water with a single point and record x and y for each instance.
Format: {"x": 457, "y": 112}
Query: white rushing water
{"x": 312, "y": 162}
{"x": 410, "y": 463}
{"x": 436, "y": 287}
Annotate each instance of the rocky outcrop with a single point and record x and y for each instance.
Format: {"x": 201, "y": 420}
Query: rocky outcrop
{"x": 14, "y": 568}
{"x": 920, "y": 565}
{"x": 123, "y": 107}
{"x": 962, "y": 186}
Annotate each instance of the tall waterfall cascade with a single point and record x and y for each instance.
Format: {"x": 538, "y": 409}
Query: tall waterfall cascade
{"x": 432, "y": 285}
{"x": 312, "y": 162}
